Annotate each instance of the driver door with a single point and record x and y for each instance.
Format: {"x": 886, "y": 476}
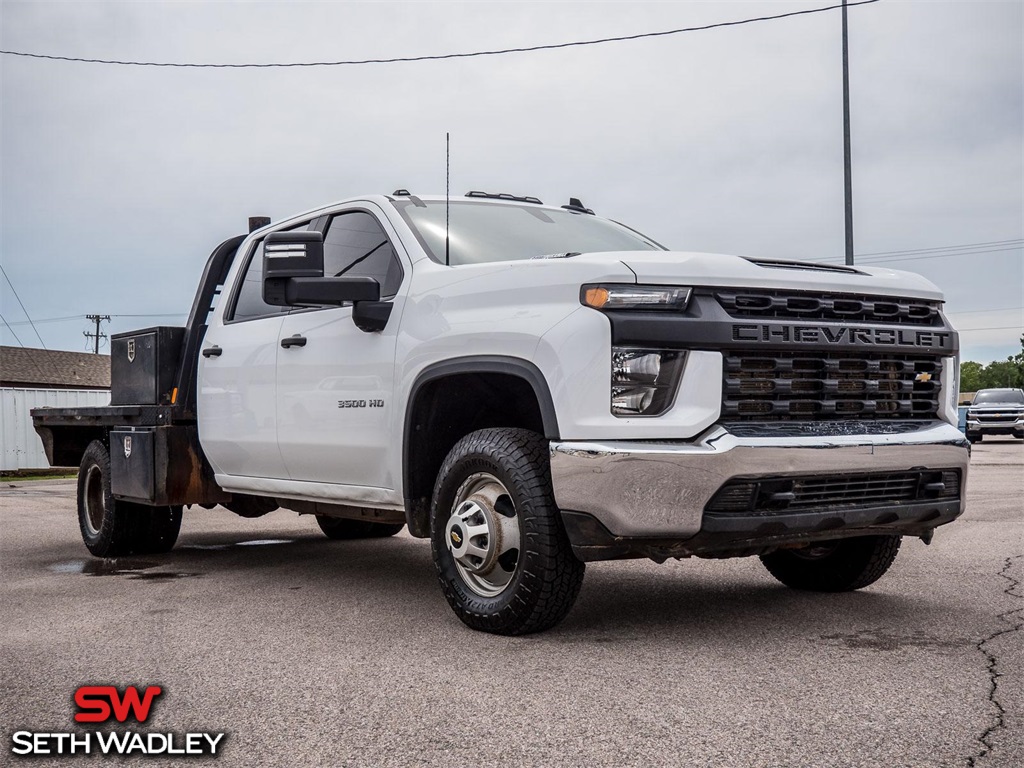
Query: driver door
{"x": 335, "y": 383}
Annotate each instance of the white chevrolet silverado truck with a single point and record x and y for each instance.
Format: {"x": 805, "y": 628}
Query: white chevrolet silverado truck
{"x": 532, "y": 388}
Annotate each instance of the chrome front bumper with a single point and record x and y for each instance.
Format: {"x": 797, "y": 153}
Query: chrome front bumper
{"x": 1005, "y": 427}
{"x": 659, "y": 489}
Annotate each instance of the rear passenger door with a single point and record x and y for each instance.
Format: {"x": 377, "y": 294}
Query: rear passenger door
{"x": 237, "y": 396}
{"x": 336, "y": 390}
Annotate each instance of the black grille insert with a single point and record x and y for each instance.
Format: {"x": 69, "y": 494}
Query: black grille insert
{"x": 795, "y": 305}
{"x": 820, "y": 492}
{"x": 766, "y": 386}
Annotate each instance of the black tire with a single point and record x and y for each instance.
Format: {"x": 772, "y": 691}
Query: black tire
{"x": 159, "y": 534}
{"x": 545, "y": 576}
{"x": 841, "y": 565}
{"x": 974, "y": 438}
{"x": 112, "y": 528}
{"x": 250, "y": 506}
{"x": 339, "y": 528}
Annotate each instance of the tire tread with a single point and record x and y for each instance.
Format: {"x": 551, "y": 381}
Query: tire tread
{"x": 552, "y": 576}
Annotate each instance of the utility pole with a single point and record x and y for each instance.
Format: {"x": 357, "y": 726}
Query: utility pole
{"x": 847, "y": 172}
{"x": 97, "y": 335}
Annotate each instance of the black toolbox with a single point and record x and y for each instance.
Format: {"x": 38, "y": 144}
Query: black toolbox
{"x": 143, "y": 365}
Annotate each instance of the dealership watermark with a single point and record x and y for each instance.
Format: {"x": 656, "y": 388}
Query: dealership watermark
{"x": 102, "y": 704}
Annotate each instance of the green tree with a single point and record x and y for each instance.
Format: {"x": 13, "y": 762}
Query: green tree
{"x": 970, "y": 376}
{"x": 997, "y": 374}
{"x": 1002, "y": 373}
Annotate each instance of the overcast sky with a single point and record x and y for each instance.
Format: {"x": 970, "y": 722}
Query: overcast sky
{"x": 117, "y": 182}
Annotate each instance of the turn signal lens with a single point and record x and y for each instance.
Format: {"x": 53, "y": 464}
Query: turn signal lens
{"x": 608, "y": 297}
{"x": 595, "y": 297}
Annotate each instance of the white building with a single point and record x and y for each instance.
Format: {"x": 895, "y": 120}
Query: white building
{"x": 34, "y": 378}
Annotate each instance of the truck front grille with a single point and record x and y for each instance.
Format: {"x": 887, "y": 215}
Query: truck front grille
{"x": 795, "y": 305}
{"x": 811, "y": 492}
{"x": 792, "y": 386}
{"x": 996, "y": 418}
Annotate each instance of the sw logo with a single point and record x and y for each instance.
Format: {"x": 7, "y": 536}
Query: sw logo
{"x": 97, "y": 703}
{"x": 127, "y": 455}
{"x": 131, "y": 350}
{"x": 102, "y": 704}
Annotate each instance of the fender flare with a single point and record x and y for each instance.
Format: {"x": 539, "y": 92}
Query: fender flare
{"x": 513, "y": 366}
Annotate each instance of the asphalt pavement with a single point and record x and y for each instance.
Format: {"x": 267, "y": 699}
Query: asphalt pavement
{"x": 307, "y": 651}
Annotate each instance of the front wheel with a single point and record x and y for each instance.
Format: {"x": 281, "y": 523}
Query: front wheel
{"x": 111, "y": 528}
{"x": 834, "y": 566}
{"x": 499, "y": 546}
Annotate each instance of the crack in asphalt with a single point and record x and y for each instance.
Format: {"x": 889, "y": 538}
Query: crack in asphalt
{"x": 985, "y": 740}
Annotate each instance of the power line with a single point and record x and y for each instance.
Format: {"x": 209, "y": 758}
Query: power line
{"x": 940, "y": 255}
{"x": 977, "y": 311}
{"x": 165, "y": 314}
{"x": 22, "y": 307}
{"x": 66, "y": 318}
{"x": 98, "y": 335}
{"x": 12, "y": 331}
{"x": 437, "y": 57}
{"x": 996, "y": 328}
{"x": 45, "y": 320}
{"x": 935, "y": 253}
{"x": 943, "y": 247}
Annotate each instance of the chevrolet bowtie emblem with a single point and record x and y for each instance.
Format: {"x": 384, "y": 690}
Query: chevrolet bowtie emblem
{"x": 923, "y": 377}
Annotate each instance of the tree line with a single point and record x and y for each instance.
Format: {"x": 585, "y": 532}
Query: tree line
{"x": 1000, "y": 373}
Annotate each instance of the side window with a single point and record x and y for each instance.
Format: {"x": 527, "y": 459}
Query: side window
{"x": 249, "y": 303}
{"x": 355, "y": 246}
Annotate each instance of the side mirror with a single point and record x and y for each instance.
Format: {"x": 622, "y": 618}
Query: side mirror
{"x": 293, "y": 274}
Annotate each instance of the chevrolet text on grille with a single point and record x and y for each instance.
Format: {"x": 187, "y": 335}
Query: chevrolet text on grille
{"x": 835, "y": 334}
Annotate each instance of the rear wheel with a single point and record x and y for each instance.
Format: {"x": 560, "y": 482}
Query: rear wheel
{"x": 339, "y": 528}
{"x": 501, "y": 551}
{"x": 834, "y": 566}
{"x": 111, "y": 528}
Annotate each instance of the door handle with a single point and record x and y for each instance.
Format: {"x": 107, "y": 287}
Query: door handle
{"x": 293, "y": 341}
{"x": 213, "y": 351}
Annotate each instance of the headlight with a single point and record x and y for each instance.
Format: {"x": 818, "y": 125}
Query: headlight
{"x": 608, "y": 297}
{"x": 644, "y": 381}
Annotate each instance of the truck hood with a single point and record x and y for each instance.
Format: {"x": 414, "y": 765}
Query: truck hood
{"x": 714, "y": 269}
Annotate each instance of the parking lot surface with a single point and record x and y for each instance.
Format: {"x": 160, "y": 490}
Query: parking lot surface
{"x": 314, "y": 652}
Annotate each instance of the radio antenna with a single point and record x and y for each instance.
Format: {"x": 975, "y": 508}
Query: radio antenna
{"x": 447, "y": 193}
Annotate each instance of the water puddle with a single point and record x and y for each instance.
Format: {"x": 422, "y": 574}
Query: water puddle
{"x": 139, "y": 569}
{"x": 118, "y": 566}
{"x": 263, "y": 542}
{"x": 252, "y": 543}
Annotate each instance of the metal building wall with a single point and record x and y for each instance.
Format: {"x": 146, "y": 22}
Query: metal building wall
{"x": 20, "y": 446}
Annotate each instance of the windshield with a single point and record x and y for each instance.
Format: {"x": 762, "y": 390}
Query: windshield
{"x": 485, "y": 232}
{"x": 1014, "y": 396}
